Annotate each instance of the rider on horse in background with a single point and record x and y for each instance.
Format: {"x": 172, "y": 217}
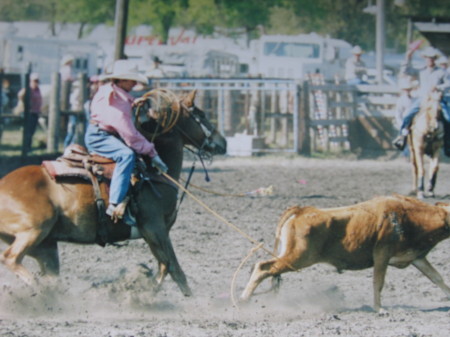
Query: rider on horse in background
{"x": 112, "y": 134}
{"x": 431, "y": 77}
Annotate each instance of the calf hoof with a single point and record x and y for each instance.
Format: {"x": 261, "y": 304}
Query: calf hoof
{"x": 244, "y": 298}
{"x": 382, "y": 312}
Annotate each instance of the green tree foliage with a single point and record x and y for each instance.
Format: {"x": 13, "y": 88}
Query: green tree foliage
{"x": 13, "y": 10}
{"x": 249, "y": 14}
{"x": 339, "y": 19}
{"x": 201, "y": 15}
{"x": 80, "y": 11}
{"x": 160, "y": 14}
{"x": 85, "y": 12}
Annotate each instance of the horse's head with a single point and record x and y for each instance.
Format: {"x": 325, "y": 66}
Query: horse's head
{"x": 170, "y": 114}
{"x": 197, "y": 130}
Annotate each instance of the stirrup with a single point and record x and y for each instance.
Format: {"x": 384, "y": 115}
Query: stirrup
{"x": 128, "y": 218}
{"x": 400, "y": 142}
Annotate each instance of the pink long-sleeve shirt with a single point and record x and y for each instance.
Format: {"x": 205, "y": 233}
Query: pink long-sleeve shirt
{"x": 111, "y": 109}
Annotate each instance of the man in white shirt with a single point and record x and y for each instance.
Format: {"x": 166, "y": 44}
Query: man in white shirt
{"x": 355, "y": 68}
{"x": 430, "y": 77}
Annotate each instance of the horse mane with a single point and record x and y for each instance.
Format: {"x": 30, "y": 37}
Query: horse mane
{"x": 431, "y": 107}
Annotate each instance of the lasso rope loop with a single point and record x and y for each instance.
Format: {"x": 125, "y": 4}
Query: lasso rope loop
{"x": 165, "y": 109}
{"x": 233, "y": 281}
{"x": 259, "y": 245}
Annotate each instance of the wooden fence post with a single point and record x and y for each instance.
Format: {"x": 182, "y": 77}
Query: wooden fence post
{"x": 81, "y": 120}
{"x": 53, "y": 115}
{"x": 303, "y": 119}
{"x": 26, "y": 144}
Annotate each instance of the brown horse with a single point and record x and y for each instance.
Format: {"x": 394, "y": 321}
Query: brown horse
{"x": 36, "y": 211}
{"x": 426, "y": 139}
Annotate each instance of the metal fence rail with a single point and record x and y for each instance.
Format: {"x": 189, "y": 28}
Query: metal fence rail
{"x": 266, "y": 110}
{"x": 271, "y": 115}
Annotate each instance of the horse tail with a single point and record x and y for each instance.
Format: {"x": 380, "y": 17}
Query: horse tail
{"x": 287, "y": 214}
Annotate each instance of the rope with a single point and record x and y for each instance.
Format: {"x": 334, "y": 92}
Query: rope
{"x": 168, "y": 108}
{"x": 217, "y": 215}
{"x": 216, "y": 193}
{"x": 259, "y": 245}
{"x": 233, "y": 281}
{"x": 260, "y": 191}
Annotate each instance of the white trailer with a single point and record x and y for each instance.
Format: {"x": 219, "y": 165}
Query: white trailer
{"x": 44, "y": 55}
{"x": 294, "y": 56}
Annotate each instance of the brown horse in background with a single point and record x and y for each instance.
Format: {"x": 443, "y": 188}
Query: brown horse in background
{"x": 36, "y": 211}
{"x": 426, "y": 139}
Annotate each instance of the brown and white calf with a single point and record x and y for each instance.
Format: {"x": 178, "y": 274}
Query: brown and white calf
{"x": 393, "y": 230}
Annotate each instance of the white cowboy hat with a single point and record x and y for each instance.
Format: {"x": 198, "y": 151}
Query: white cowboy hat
{"x": 34, "y": 77}
{"x": 357, "y": 50}
{"x": 66, "y": 59}
{"x": 124, "y": 70}
{"x": 430, "y": 52}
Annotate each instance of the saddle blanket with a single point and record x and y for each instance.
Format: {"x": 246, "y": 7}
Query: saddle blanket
{"x": 60, "y": 169}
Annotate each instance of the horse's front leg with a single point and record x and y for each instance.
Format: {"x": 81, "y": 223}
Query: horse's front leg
{"x": 162, "y": 273}
{"x": 420, "y": 174}
{"x": 156, "y": 235}
{"x": 414, "y": 165}
{"x": 434, "y": 169}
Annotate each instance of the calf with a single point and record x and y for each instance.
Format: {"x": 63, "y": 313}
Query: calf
{"x": 383, "y": 231}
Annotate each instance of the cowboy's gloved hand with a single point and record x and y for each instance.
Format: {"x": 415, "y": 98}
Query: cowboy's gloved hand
{"x": 159, "y": 164}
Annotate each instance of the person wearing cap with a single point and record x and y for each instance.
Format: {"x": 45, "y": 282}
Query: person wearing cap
{"x": 404, "y": 100}
{"x": 66, "y": 73}
{"x": 156, "y": 71}
{"x": 355, "y": 68}
{"x": 66, "y": 69}
{"x": 94, "y": 84}
{"x": 430, "y": 77}
{"x": 112, "y": 134}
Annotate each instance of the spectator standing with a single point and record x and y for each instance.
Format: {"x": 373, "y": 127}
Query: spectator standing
{"x": 67, "y": 76}
{"x": 355, "y": 68}
{"x": 94, "y": 83}
{"x": 35, "y": 108}
{"x": 66, "y": 69}
{"x": 156, "y": 71}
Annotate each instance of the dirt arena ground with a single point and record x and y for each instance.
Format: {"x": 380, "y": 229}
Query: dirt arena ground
{"x": 105, "y": 291}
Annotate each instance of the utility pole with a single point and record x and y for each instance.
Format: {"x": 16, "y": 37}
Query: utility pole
{"x": 380, "y": 37}
{"x": 120, "y": 25}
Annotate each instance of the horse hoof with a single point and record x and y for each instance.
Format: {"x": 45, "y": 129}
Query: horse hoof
{"x": 430, "y": 195}
{"x": 187, "y": 292}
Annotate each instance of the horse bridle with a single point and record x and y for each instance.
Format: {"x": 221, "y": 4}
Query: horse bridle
{"x": 208, "y": 131}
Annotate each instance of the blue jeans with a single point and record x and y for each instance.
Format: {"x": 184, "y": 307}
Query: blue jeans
{"x": 32, "y": 126}
{"x": 109, "y": 146}
{"x": 414, "y": 109}
{"x": 71, "y": 127}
